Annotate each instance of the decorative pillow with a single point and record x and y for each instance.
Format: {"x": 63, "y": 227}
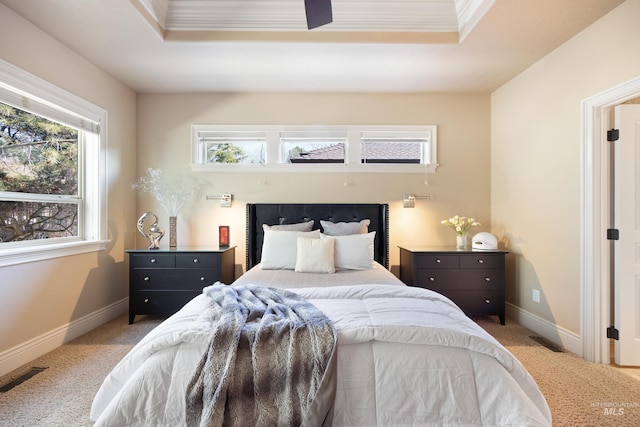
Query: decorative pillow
{"x": 345, "y": 228}
{"x": 301, "y": 226}
{"x": 315, "y": 255}
{"x": 280, "y": 246}
{"x": 353, "y": 252}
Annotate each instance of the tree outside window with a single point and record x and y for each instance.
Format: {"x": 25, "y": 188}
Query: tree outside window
{"x": 39, "y": 187}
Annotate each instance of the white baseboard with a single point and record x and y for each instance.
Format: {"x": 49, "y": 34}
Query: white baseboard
{"x": 24, "y": 353}
{"x": 554, "y": 333}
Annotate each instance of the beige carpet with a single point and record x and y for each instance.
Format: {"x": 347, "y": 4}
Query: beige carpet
{"x": 579, "y": 393}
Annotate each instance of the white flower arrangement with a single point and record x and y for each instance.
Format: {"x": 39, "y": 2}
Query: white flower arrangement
{"x": 460, "y": 224}
{"x": 171, "y": 194}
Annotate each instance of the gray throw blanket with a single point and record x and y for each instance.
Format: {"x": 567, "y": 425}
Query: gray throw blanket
{"x": 266, "y": 360}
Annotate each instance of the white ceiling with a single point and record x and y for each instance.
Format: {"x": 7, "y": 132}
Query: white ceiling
{"x": 264, "y": 46}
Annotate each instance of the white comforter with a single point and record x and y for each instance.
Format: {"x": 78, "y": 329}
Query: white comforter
{"x": 406, "y": 357}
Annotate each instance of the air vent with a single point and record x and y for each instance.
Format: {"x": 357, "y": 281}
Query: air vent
{"x": 22, "y": 378}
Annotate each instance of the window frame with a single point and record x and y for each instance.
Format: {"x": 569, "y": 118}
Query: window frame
{"x": 275, "y": 161}
{"x": 48, "y": 100}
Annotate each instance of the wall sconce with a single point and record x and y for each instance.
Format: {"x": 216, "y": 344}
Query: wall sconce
{"x": 225, "y": 199}
{"x": 409, "y": 200}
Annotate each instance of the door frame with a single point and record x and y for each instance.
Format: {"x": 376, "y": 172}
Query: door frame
{"x": 597, "y": 118}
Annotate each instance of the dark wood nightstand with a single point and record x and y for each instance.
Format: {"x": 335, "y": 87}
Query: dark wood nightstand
{"x": 162, "y": 281}
{"x": 474, "y": 280}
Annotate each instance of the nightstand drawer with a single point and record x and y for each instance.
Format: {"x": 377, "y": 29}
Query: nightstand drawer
{"x": 161, "y": 302}
{"x": 438, "y": 278}
{"x": 476, "y": 302}
{"x": 437, "y": 261}
{"x": 196, "y": 260}
{"x": 476, "y": 279}
{"x": 461, "y": 280}
{"x": 175, "y": 279}
{"x": 481, "y": 261}
{"x": 153, "y": 260}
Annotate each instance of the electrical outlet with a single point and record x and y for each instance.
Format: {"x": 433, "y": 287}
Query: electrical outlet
{"x": 536, "y": 295}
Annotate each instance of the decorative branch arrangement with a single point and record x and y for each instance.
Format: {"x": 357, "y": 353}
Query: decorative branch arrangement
{"x": 170, "y": 193}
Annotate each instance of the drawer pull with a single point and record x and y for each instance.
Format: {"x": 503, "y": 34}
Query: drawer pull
{"x": 480, "y": 261}
{"x": 487, "y": 279}
{"x": 153, "y": 261}
{"x": 202, "y": 279}
{"x": 146, "y": 278}
{"x": 195, "y": 260}
{"x": 438, "y": 261}
{"x": 146, "y": 300}
{"x": 487, "y": 301}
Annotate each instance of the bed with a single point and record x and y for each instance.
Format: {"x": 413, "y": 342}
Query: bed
{"x": 403, "y": 356}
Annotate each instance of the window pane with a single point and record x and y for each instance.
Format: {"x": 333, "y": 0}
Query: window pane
{"x": 20, "y": 221}
{"x": 37, "y": 155}
{"x": 393, "y": 150}
{"x": 235, "y": 151}
{"x": 312, "y": 150}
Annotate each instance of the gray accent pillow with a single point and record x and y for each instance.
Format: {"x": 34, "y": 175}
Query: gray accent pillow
{"x": 345, "y": 228}
{"x": 301, "y": 226}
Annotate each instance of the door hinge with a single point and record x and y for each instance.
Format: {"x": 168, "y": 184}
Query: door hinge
{"x": 613, "y": 234}
{"x": 613, "y": 135}
{"x": 612, "y": 332}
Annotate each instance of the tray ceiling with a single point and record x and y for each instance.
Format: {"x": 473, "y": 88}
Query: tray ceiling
{"x": 442, "y": 16}
{"x": 372, "y": 46}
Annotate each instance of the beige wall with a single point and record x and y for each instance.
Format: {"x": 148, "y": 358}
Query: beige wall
{"x": 536, "y": 161}
{"x": 460, "y": 185}
{"x": 41, "y": 297}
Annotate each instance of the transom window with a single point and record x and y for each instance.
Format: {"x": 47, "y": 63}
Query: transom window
{"x": 405, "y": 149}
{"x": 313, "y": 147}
{"x": 396, "y": 147}
{"x": 233, "y": 147}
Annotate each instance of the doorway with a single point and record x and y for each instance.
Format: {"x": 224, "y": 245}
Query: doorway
{"x": 597, "y": 118}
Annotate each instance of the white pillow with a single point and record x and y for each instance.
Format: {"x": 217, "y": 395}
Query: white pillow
{"x": 353, "y": 252}
{"x": 345, "y": 228}
{"x": 315, "y": 255}
{"x": 279, "y": 248}
{"x": 301, "y": 226}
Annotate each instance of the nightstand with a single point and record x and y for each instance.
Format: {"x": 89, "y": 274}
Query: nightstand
{"x": 474, "y": 280}
{"x": 162, "y": 281}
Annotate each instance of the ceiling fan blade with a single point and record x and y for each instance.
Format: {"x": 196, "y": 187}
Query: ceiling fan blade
{"x": 318, "y": 13}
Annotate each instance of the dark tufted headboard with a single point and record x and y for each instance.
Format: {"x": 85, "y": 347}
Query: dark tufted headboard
{"x": 292, "y": 213}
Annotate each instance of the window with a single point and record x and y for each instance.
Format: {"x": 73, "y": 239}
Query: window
{"x": 313, "y": 147}
{"x": 232, "y": 147}
{"x": 39, "y": 170}
{"x": 52, "y": 168}
{"x": 397, "y": 149}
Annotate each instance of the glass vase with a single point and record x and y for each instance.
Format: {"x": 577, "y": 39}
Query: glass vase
{"x": 173, "y": 234}
{"x": 461, "y": 241}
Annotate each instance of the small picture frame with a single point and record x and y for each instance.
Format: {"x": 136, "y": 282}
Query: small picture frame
{"x": 223, "y": 236}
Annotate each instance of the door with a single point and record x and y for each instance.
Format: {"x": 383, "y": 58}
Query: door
{"x": 627, "y": 248}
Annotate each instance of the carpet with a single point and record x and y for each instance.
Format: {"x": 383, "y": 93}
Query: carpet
{"x": 579, "y": 393}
